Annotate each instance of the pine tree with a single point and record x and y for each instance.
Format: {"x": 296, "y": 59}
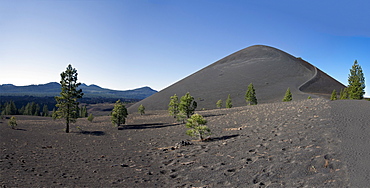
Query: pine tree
{"x": 250, "y": 95}
{"x": 83, "y": 111}
{"x": 36, "y": 110}
{"x": 90, "y": 117}
{"x": 197, "y": 125}
{"x": 333, "y": 95}
{"x": 288, "y": 96}
{"x": 141, "y": 109}
{"x": 119, "y": 114}
{"x": 173, "y": 106}
{"x": 67, "y": 101}
{"x": 219, "y": 104}
{"x": 229, "y": 103}
{"x": 45, "y": 110}
{"x": 356, "y": 82}
{"x": 187, "y": 105}
{"x": 343, "y": 94}
{"x": 12, "y": 122}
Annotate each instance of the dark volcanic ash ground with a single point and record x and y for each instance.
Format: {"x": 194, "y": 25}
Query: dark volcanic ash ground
{"x": 292, "y": 144}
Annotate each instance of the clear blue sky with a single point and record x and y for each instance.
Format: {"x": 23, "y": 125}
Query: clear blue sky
{"x": 120, "y": 44}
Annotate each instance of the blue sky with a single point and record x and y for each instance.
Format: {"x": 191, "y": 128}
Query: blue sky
{"x": 120, "y": 44}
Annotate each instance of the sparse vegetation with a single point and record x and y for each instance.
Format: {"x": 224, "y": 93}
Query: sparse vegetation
{"x": 288, "y": 96}
{"x": 12, "y": 122}
{"x": 309, "y": 97}
{"x": 90, "y": 117}
{"x": 83, "y": 111}
{"x": 9, "y": 108}
{"x": 141, "y": 109}
{"x": 219, "y": 104}
{"x": 119, "y": 114}
{"x": 45, "y": 110}
{"x": 250, "y": 95}
{"x": 333, "y": 95}
{"x": 173, "y": 106}
{"x": 187, "y": 105}
{"x": 229, "y": 103}
{"x": 67, "y": 101}
{"x": 356, "y": 82}
{"x": 343, "y": 94}
{"x": 198, "y": 128}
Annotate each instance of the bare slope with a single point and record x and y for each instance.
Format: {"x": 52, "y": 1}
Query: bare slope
{"x": 270, "y": 70}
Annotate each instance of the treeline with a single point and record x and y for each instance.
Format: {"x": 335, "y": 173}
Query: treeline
{"x": 31, "y": 108}
{"x": 34, "y": 109}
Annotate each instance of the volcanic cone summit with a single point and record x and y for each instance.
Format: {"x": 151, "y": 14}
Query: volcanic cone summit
{"x": 270, "y": 70}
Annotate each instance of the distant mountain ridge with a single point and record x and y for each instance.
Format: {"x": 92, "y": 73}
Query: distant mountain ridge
{"x": 90, "y": 91}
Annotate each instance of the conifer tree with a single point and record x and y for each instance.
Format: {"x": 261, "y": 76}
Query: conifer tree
{"x": 67, "y": 101}
{"x": 141, "y": 109}
{"x": 229, "y": 103}
{"x": 187, "y": 105}
{"x": 90, "y": 117}
{"x": 219, "y": 104}
{"x": 197, "y": 125}
{"x": 343, "y": 94}
{"x": 119, "y": 114}
{"x": 333, "y": 95}
{"x": 356, "y": 82}
{"x": 45, "y": 110}
{"x": 288, "y": 95}
{"x": 173, "y": 106}
{"x": 250, "y": 95}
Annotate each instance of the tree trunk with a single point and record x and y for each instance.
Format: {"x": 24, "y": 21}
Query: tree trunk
{"x": 67, "y": 128}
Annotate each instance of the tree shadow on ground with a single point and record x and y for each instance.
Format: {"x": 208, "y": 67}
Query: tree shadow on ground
{"x": 212, "y": 115}
{"x": 213, "y": 139}
{"x": 94, "y": 133}
{"x": 147, "y": 126}
{"x": 20, "y": 129}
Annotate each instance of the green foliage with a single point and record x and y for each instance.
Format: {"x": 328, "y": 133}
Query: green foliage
{"x": 250, "y": 95}
{"x": 356, "y": 82}
{"x": 309, "y": 97}
{"x": 90, "y": 117}
{"x": 229, "y": 103}
{"x": 12, "y": 122}
{"x": 9, "y": 109}
{"x": 288, "y": 96}
{"x": 173, "y": 106}
{"x": 343, "y": 94}
{"x": 197, "y": 125}
{"x": 54, "y": 114}
{"x": 333, "y": 95}
{"x": 119, "y": 114}
{"x": 187, "y": 105}
{"x": 67, "y": 101}
{"x": 219, "y": 104}
{"x": 83, "y": 111}
{"x": 45, "y": 110}
{"x": 141, "y": 109}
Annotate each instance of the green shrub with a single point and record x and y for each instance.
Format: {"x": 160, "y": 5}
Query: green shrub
{"x": 12, "y": 122}
{"x": 90, "y": 117}
{"x": 197, "y": 125}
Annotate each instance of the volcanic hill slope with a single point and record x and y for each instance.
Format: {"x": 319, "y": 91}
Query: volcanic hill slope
{"x": 270, "y": 70}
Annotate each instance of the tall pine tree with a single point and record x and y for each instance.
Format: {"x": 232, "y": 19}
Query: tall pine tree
{"x": 229, "y": 103}
{"x": 250, "y": 95}
{"x": 187, "y": 105}
{"x": 173, "y": 106}
{"x": 67, "y": 101}
{"x": 356, "y": 82}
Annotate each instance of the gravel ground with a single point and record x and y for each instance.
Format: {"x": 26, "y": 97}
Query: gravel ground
{"x": 352, "y": 120}
{"x": 294, "y": 144}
